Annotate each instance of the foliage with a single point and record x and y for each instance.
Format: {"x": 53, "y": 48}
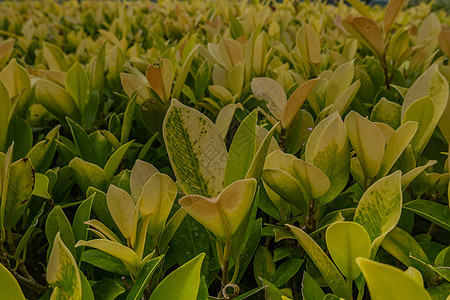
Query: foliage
{"x": 224, "y": 150}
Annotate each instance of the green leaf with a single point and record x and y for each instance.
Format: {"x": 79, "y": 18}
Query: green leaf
{"x": 85, "y": 145}
{"x": 368, "y": 142}
{"x": 396, "y": 145}
{"x": 121, "y": 206}
{"x": 314, "y": 182}
{"x": 19, "y": 132}
{"x": 388, "y": 282}
{"x": 100, "y": 207}
{"x": 379, "y": 209}
{"x": 9, "y": 285}
{"x": 249, "y": 249}
{"x": 170, "y": 229}
{"x": 386, "y": 112}
{"x": 26, "y": 237}
{"x": 5, "y": 113}
{"x": 285, "y": 185}
{"x": 18, "y": 191}
{"x": 128, "y": 119}
{"x": 242, "y": 149}
{"x": 401, "y": 245}
{"x": 346, "y": 241}
{"x": 143, "y": 279}
{"x": 125, "y": 254}
{"x": 157, "y": 199}
{"x": 77, "y": 85}
{"x": 340, "y": 80}
{"x": 55, "y": 57}
{"x": 57, "y": 223}
{"x": 41, "y": 155}
{"x": 62, "y": 272}
{"x": 286, "y": 271}
{"x": 186, "y": 278}
{"x": 257, "y": 165}
{"x": 223, "y": 214}
{"x": 328, "y": 149}
{"x": 430, "y": 84}
{"x": 263, "y": 264}
{"x": 4, "y": 180}
{"x": 82, "y": 215}
{"x": 181, "y": 78}
{"x": 17, "y": 81}
{"x": 114, "y": 161}
{"x": 326, "y": 267}
{"x": 432, "y": 211}
{"x": 107, "y": 289}
{"x": 272, "y": 93}
{"x": 56, "y": 100}
{"x": 98, "y": 70}
{"x": 105, "y": 262}
{"x": 88, "y": 175}
{"x": 311, "y": 289}
{"x": 196, "y": 150}
{"x": 298, "y": 132}
{"x": 41, "y": 186}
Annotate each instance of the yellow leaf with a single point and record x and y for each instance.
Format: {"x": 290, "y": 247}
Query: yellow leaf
{"x": 444, "y": 40}
{"x": 223, "y": 214}
{"x": 231, "y": 53}
{"x": 308, "y": 43}
{"x": 159, "y": 77}
{"x": 392, "y": 10}
{"x": 295, "y": 101}
{"x": 367, "y": 32}
{"x": 121, "y": 206}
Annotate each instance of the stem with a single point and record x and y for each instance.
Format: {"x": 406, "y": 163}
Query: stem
{"x": 350, "y": 285}
{"x": 226, "y": 262}
{"x": 386, "y": 73}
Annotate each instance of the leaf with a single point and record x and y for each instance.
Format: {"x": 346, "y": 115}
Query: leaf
{"x": 170, "y": 228}
{"x": 186, "y": 278}
{"x": 9, "y": 285}
{"x": 223, "y": 214}
{"x": 5, "y": 112}
{"x": 346, "y": 241}
{"x": 340, "y": 80}
{"x": 286, "y": 271}
{"x": 5, "y": 169}
{"x": 361, "y": 8}
{"x": 344, "y": 100}
{"x": 28, "y": 234}
{"x": 79, "y": 227}
{"x": 41, "y": 155}
{"x": 295, "y": 102}
{"x": 18, "y": 191}
{"x": 444, "y": 40}
{"x": 242, "y": 149}
{"x": 88, "y": 175}
{"x": 57, "y": 222}
{"x": 386, "y": 112}
{"x": 160, "y": 77}
{"x": 308, "y": 43}
{"x": 314, "y": 182}
{"x": 157, "y": 199}
{"x": 225, "y": 117}
{"x": 327, "y": 148}
{"x": 257, "y": 165}
{"x": 125, "y": 254}
{"x": 388, "y": 282}
{"x": 433, "y": 84}
{"x": 396, "y": 145}
{"x": 379, "y": 209}
{"x": 107, "y": 289}
{"x": 411, "y": 175}
{"x": 181, "y": 78}
{"x": 56, "y": 100}
{"x": 41, "y": 186}
{"x": 263, "y": 264}
{"x": 367, "y": 32}
{"x": 17, "y": 81}
{"x": 19, "y": 132}
{"x": 121, "y": 206}
{"x": 248, "y": 250}
{"x": 298, "y": 132}
{"x": 328, "y": 270}
{"x": 196, "y": 150}
{"x": 311, "y": 289}
{"x": 401, "y": 245}
{"x": 77, "y": 85}
{"x": 285, "y": 185}
{"x": 100, "y": 227}
{"x": 143, "y": 279}
{"x": 432, "y": 211}
{"x": 104, "y": 261}
{"x": 141, "y": 173}
{"x": 128, "y": 120}
{"x": 85, "y": 146}
{"x": 114, "y": 161}
{"x": 55, "y": 57}
{"x": 368, "y": 142}
{"x": 272, "y": 93}
{"x": 392, "y": 10}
